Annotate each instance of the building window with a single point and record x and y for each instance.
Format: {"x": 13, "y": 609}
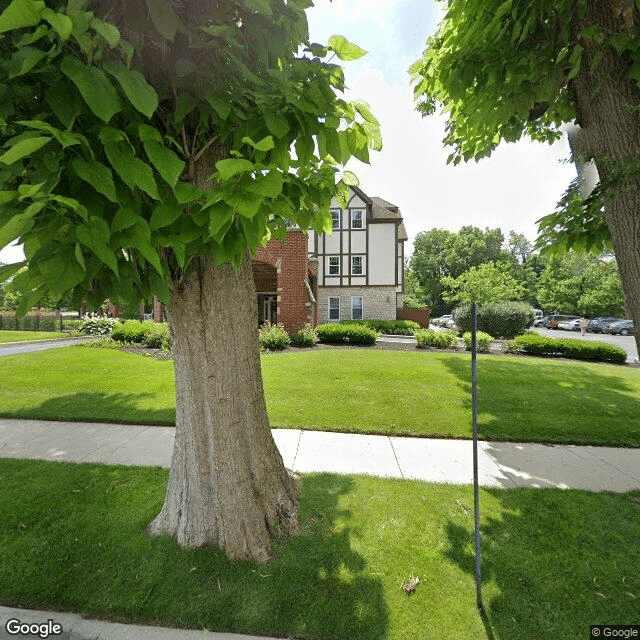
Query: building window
{"x": 334, "y": 265}
{"x": 356, "y": 308}
{"x": 335, "y": 215}
{"x": 334, "y": 308}
{"x": 356, "y": 265}
{"x": 357, "y": 217}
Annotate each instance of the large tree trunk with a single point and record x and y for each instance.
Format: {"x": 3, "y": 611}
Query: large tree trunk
{"x": 227, "y": 485}
{"x": 608, "y": 104}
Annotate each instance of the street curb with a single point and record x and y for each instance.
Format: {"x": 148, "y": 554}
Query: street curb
{"x": 44, "y": 341}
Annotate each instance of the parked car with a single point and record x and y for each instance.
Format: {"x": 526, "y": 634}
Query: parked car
{"x": 599, "y": 324}
{"x": 442, "y": 320}
{"x": 569, "y": 325}
{"x": 541, "y": 322}
{"x": 622, "y": 327}
{"x": 553, "y": 320}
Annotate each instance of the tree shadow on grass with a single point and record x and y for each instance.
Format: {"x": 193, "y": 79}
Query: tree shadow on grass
{"x": 93, "y": 555}
{"x": 98, "y": 406}
{"x": 551, "y": 401}
{"x": 555, "y": 562}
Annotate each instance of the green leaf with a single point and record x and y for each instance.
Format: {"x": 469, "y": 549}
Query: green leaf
{"x": 233, "y": 166}
{"x": 71, "y": 203}
{"x": 269, "y": 186}
{"x": 141, "y": 242}
{"x": 220, "y": 218}
{"x": 165, "y": 161}
{"x": 344, "y": 49}
{"x": 132, "y": 170}
{"x": 220, "y": 30}
{"x": 187, "y": 192}
{"x": 65, "y": 103}
{"x": 19, "y": 14}
{"x": 24, "y": 148}
{"x": 146, "y": 133}
{"x": 61, "y": 23}
{"x": 277, "y": 124}
{"x": 185, "y": 104}
{"x": 164, "y": 215}
{"x": 125, "y": 218}
{"x": 108, "y": 31}
{"x": 350, "y": 178}
{"x": 19, "y": 224}
{"x": 138, "y": 91}
{"x": 265, "y": 144}
{"x": 221, "y": 107}
{"x": 80, "y": 257}
{"x": 98, "y": 176}
{"x": 29, "y": 190}
{"x": 244, "y": 203}
{"x": 24, "y": 60}
{"x": 95, "y": 234}
{"x": 94, "y": 86}
{"x": 7, "y": 270}
{"x": 7, "y": 196}
{"x": 163, "y": 17}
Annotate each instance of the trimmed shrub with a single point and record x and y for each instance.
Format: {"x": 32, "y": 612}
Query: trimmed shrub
{"x": 156, "y": 336}
{"x": 390, "y": 327}
{"x": 130, "y": 331}
{"x": 273, "y": 337}
{"x": 536, "y": 345}
{"x": 437, "y": 339}
{"x": 483, "y": 341}
{"x": 304, "y": 337}
{"x": 352, "y": 333}
{"x": 500, "y": 319}
{"x": 97, "y": 326}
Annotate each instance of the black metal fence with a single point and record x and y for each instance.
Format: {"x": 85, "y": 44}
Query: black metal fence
{"x": 38, "y": 322}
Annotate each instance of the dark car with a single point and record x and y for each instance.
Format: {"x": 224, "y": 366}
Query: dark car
{"x": 599, "y": 324}
{"x": 553, "y": 320}
{"x": 622, "y": 327}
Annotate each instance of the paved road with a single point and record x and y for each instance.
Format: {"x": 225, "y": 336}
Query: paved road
{"x": 628, "y": 343}
{"x": 26, "y": 347}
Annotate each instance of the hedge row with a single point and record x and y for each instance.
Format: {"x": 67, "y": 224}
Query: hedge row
{"x": 151, "y": 334}
{"x": 437, "y": 339}
{"x": 536, "y": 345}
{"x": 390, "y": 327}
{"x": 351, "y": 333}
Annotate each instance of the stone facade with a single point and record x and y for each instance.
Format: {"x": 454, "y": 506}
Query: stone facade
{"x": 378, "y": 303}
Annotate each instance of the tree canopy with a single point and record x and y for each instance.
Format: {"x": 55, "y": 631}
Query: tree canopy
{"x": 111, "y": 110}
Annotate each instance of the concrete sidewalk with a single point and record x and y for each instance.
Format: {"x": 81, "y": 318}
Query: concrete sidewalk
{"x": 500, "y": 464}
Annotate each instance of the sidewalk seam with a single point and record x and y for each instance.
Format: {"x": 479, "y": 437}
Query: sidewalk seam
{"x": 395, "y": 455}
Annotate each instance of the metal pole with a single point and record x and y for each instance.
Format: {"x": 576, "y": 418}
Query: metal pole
{"x": 476, "y": 492}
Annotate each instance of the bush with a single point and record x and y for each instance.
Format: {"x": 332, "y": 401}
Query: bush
{"x": 132, "y": 331}
{"x": 304, "y": 337}
{"x": 97, "y": 326}
{"x": 156, "y": 336}
{"x": 500, "y": 319}
{"x": 352, "y": 333}
{"x": 273, "y": 337}
{"x": 483, "y": 341}
{"x": 438, "y": 339}
{"x": 536, "y": 345}
{"x": 391, "y": 327}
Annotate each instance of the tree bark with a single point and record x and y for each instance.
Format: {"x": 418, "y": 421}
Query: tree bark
{"x": 228, "y": 485}
{"x": 608, "y": 110}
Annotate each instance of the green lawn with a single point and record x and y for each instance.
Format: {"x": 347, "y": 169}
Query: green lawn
{"x": 22, "y": 336}
{"x": 354, "y": 390}
{"x": 554, "y": 561}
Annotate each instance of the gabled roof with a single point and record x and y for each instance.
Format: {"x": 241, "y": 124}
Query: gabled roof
{"x": 383, "y": 210}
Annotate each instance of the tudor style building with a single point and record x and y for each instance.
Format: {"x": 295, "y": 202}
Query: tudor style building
{"x": 355, "y": 273}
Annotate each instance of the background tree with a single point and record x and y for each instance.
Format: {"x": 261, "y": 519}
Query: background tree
{"x": 504, "y": 68}
{"x": 439, "y": 253}
{"x": 147, "y": 149}
{"x": 488, "y": 282}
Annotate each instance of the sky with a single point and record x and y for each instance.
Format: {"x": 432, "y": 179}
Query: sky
{"x": 512, "y": 189}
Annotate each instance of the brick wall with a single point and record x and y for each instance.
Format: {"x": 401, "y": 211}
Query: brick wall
{"x": 379, "y": 303}
{"x": 421, "y": 316}
{"x": 292, "y": 266}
